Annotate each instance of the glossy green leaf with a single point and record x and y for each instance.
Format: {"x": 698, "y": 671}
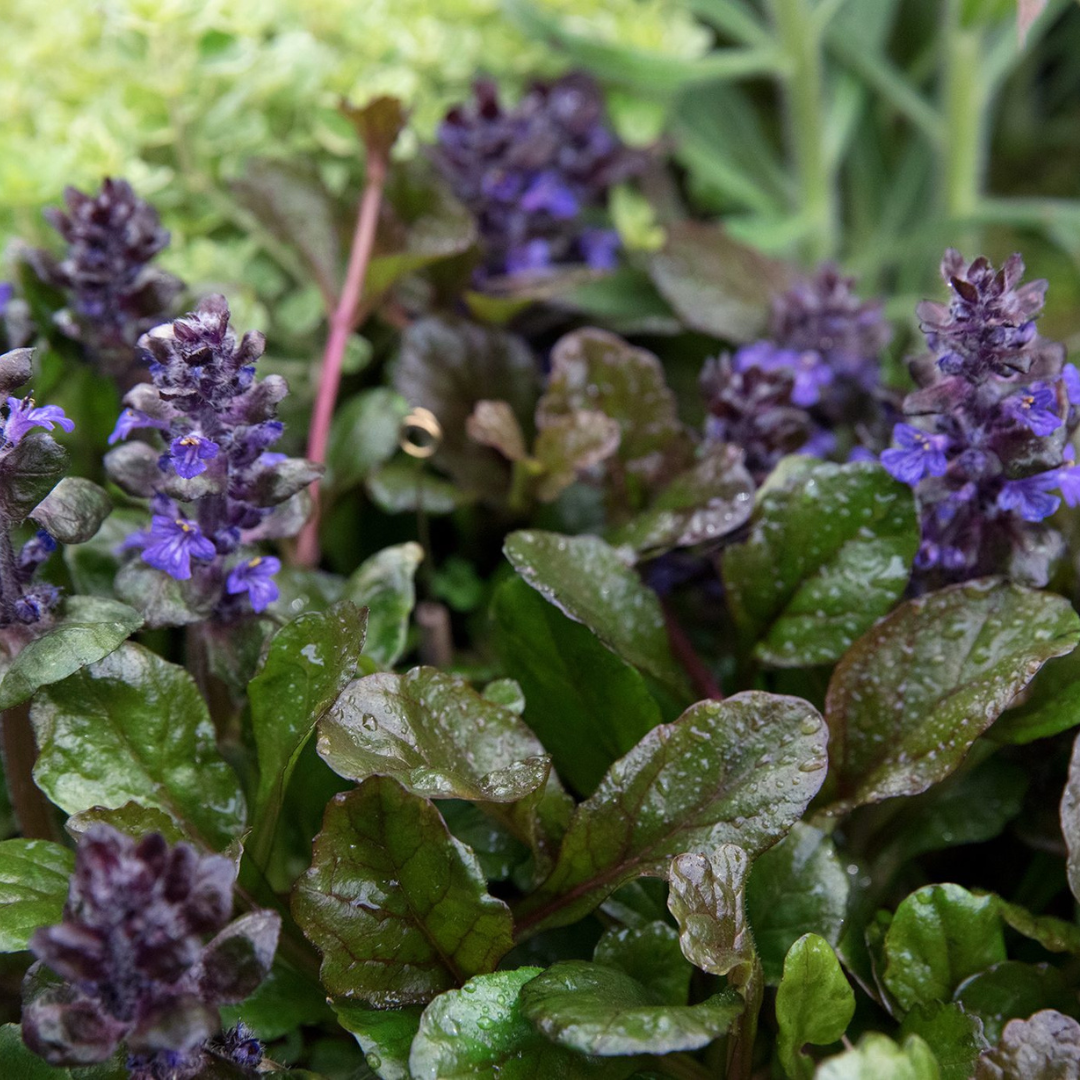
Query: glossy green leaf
{"x": 597, "y": 371}
{"x": 797, "y": 887}
{"x": 385, "y": 1036}
{"x": 805, "y": 584}
{"x": 713, "y": 498}
{"x": 1051, "y": 704}
{"x": 448, "y": 365}
{"x": 497, "y": 849}
{"x": 955, "y": 1036}
{"x": 161, "y": 599}
{"x": 716, "y": 285}
{"x": 310, "y": 661}
{"x": 738, "y": 771}
{"x": 1013, "y": 990}
{"x": 591, "y": 583}
{"x": 384, "y": 585}
{"x": 363, "y": 435}
{"x": 1044, "y": 1047}
{"x": 33, "y": 888}
{"x": 707, "y": 899}
{"x": 441, "y": 739}
{"x": 27, "y": 473}
{"x": 1070, "y": 819}
{"x": 567, "y": 445}
{"x": 649, "y": 954}
{"x": 17, "y": 1062}
{"x": 877, "y": 1057}
{"x": 910, "y": 696}
{"x": 86, "y": 629}
{"x": 134, "y": 727}
{"x": 1052, "y": 933}
{"x": 602, "y": 1011}
{"x": 940, "y": 936}
{"x": 480, "y": 1033}
{"x": 398, "y": 907}
{"x": 814, "y": 1003}
{"x": 73, "y": 511}
{"x": 586, "y": 705}
{"x": 284, "y": 1000}
{"x": 403, "y": 485}
{"x": 131, "y": 818}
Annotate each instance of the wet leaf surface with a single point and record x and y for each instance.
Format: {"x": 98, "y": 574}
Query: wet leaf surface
{"x": 33, "y": 888}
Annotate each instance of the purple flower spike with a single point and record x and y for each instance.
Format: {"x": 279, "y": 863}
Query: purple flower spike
{"x": 23, "y": 416}
{"x": 1030, "y": 498}
{"x": 1036, "y": 408}
{"x": 256, "y": 578}
{"x": 173, "y": 543}
{"x": 919, "y": 454}
{"x": 549, "y": 194}
{"x": 189, "y": 454}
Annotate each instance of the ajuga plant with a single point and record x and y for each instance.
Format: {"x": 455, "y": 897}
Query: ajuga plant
{"x": 987, "y": 445}
{"x": 215, "y": 484}
{"x": 114, "y": 292}
{"x": 130, "y": 963}
{"x": 536, "y": 175}
{"x": 812, "y": 385}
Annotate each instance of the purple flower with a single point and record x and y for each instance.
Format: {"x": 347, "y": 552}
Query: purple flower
{"x": 600, "y": 248}
{"x": 809, "y": 371}
{"x": 134, "y": 967}
{"x": 548, "y": 193}
{"x": 1035, "y": 407}
{"x": 131, "y": 420}
{"x": 1030, "y": 498}
{"x": 919, "y": 454}
{"x": 1071, "y": 378}
{"x": 188, "y": 454}
{"x": 173, "y": 543}
{"x": 22, "y": 416}
{"x": 532, "y": 257}
{"x": 1068, "y": 479}
{"x": 256, "y": 578}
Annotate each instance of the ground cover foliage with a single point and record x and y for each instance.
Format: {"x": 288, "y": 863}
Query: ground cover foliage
{"x": 571, "y": 577}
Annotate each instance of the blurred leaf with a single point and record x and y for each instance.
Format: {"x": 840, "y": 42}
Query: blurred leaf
{"x": 427, "y": 224}
{"x": 586, "y": 705}
{"x": 1028, "y": 12}
{"x": 16, "y": 368}
{"x": 398, "y": 907}
{"x": 384, "y": 585}
{"x": 310, "y": 661}
{"x": 569, "y": 445}
{"x": 798, "y": 887}
{"x": 649, "y": 954}
{"x": 363, "y": 435}
{"x": 595, "y": 371}
{"x": 814, "y": 1003}
{"x": 717, "y": 285}
{"x": 33, "y": 888}
{"x": 495, "y": 847}
{"x": 161, "y": 599}
{"x": 707, "y": 899}
{"x": 1012, "y": 990}
{"x": 86, "y": 629}
{"x": 493, "y": 423}
{"x": 447, "y": 366}
{"x": 401, "y": 486}
{"x": 713, "y": 498}
{"x": 385, "y": 1036}
{"x": 18, "y": 1062}
{"x": 1044, "y": 1047}
{"x": 73, "y": 511}
{"x": 956, "y": 1037}
{"x": 28, "y": 471}
{"x": 480, "y": 1033}
{"x": 1053, "y": 934}
{"x": 591, "y": 583}
{"x": 877, "y": 1057}
{"x": 738, "y": 771}
{"x": 378, "y": 123}
{"x": 805, "y": 585}
{"x": 292, "y": 204}
{"x": 134, "y": 727}
{"x": 440, "y": 739}
{"x": 600, "y": 1010}
{"x": 974, "y": 646}
{"x": 940, "y": 936}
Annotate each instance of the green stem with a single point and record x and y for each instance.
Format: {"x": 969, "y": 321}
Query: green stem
{"x": 964, "y": 107}
{"x": 800, "y": 36}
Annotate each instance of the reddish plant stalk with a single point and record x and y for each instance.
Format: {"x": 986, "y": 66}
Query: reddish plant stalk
{"x": 683, "y": 650}
{"x": 342, "y": 324}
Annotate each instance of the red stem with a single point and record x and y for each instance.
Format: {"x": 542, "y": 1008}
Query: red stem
{"x": 342, "y": 324}
{"x": 683, "y": 650}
